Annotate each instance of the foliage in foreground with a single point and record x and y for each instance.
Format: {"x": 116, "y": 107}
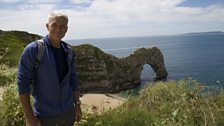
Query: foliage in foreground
{"x": 11, "y": 111}
{"x": 182, "y": 103}
{"x": 7, "y": 74}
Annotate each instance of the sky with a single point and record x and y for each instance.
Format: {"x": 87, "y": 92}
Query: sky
{"x": 115, "y": 18}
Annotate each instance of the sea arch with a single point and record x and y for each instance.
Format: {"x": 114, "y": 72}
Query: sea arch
{"x": 101, "y": 72}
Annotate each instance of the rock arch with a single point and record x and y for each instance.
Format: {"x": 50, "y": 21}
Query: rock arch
{"x": 152, "y": 56}
{"x": 101, "y": 72}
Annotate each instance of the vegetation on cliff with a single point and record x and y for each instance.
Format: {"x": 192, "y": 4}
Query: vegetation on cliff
{"x": 12, "y": 44}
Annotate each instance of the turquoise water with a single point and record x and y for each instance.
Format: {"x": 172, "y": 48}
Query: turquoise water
{"x": 199, "y": 56}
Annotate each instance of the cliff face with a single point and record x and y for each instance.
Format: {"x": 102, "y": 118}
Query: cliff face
{"x": 101, "y": 72}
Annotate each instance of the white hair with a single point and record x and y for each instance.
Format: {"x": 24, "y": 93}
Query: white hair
{"x": 56, "y": 14}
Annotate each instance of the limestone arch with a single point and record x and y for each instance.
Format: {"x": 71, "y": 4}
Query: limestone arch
{"x": 153, "y": 57}
{"x": 102, "y": 72}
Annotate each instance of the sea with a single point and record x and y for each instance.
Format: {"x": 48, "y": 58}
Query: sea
{"x": 199, "y": 56}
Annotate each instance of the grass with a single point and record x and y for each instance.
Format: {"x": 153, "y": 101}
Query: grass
{"x": 11, "y": 111}
{"x": 173, "y": 103}
{"x": 7, "y": 74}
{"x": 11, "y": 48}
{"x": 136, "y": 117}
{"x": 12, "y": 44}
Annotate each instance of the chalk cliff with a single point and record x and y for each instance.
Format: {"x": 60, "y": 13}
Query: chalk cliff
{"x": 101, "y": 72}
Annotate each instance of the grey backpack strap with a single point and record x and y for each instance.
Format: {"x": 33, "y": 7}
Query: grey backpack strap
{"x": 41, "y": 47}
{"x": 40, "y": 54}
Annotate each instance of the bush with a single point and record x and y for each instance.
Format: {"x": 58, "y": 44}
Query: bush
{"x": 11, "y": 113}
{"x": 7, "y": 74}
{"x": 122, "y": 117}
{"x": 185, "y": 102}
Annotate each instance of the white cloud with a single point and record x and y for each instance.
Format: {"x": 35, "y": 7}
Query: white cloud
{"x": 10, "y": 1}
{"x": 146, "y": 10}
{"x": 81, "y": 1}
{"x": 30, "y": 20}
{"x": 108, "y": 18}
{"x": 43, "y": 1}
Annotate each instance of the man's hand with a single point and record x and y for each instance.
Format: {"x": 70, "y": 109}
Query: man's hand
{"x": 32, "y": 121}
{"x": 78, "y": 113}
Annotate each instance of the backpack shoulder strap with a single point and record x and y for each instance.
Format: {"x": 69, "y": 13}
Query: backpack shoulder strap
{"x": 40, "y": 53}
{"x": 41, "y": 47}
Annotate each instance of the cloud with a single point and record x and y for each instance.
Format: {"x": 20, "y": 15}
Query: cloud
{"x": 9, "y": 1}
{"x": 81, "y": 1}
{"x": 106, "y": 18}
{"x": 43, "y": 1}
{"x": 121, "y": 12}
{"x": 126, "y": 12}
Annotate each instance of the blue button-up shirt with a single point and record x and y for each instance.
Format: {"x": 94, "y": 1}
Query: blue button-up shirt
{"x": 52, "y": 97}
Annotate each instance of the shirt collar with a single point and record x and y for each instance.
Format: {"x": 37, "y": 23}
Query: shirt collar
{"x": 47, "y": 41}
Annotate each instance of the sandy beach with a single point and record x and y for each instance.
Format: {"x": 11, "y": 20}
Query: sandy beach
{"x": 102, "y": 102}
{"x": 98, "y": 103}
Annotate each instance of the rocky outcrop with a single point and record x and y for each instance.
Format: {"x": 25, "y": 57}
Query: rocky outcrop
{"x": 101, "y": 72}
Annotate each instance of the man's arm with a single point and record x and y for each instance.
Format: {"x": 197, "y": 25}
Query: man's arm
{"x": 76, "y": 96}
{"x": 31, "y": 120}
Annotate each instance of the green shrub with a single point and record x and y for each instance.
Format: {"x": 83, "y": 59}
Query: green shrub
{"x": 7, "y": 74}
{"x": 11, "y": 111}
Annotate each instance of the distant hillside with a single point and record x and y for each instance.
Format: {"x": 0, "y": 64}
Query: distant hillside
{"x": 12, "y": 44}
{"x": 205, "y": 33}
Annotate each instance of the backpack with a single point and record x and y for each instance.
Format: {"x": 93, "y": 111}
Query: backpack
{"x": 40, "y": 54}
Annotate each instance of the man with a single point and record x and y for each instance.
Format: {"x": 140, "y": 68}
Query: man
{"x": 56, "y": 93}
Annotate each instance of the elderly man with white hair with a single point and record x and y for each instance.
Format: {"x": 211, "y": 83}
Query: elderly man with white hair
{"x": 53, "y": 84}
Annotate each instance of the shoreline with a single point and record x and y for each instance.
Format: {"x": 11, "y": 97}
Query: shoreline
{"x": 102, "y": 102}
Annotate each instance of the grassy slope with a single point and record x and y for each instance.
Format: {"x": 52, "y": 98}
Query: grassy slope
{"x": 12, "y": 44}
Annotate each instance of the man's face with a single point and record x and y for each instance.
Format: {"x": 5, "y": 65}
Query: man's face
{"x": 57, "y": 28}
